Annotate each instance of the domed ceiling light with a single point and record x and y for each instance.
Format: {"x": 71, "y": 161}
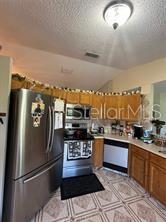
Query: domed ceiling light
{"x": 117, "y": 13}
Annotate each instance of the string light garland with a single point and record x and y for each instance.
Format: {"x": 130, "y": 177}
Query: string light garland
{"x": 46, "y": 86}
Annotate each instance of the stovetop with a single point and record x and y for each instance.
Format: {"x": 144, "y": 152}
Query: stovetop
{"x": 86, "y": 136}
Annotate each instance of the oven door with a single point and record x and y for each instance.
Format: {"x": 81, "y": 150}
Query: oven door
{"x": 79, "y": 150}
{"x": 75, "y": 167}
{"x": 69, "y": 160}
{"x": 74, "y": 150}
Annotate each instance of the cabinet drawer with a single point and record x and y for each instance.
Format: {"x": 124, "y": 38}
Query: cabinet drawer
{"x": 140, "y": 151}
{"x": 160, "y": 161}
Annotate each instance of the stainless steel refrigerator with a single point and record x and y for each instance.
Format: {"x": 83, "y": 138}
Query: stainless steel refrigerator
{"x": 34, "y": 154}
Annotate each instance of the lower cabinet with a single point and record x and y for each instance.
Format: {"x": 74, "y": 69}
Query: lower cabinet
{"x": 149, "y": 170}
{"x": 157, "y": 178}
{"x": 98, "y": 151}
{"x": 139, "y": 165}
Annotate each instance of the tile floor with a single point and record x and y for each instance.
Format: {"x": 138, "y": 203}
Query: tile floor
{"x": 123, "y": 200}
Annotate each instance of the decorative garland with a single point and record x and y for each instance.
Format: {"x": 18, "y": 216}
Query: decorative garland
{"x": 21, "y": 78}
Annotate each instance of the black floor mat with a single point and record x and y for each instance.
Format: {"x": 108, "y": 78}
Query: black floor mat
{"x": 77, "y": 186}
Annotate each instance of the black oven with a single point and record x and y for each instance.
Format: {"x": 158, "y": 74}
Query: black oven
{"x": 77, "y": 112}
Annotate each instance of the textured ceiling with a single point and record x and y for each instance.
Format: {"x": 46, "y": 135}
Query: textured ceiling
{"x": 46, "y": 67}
{"x": 72, "y": 27}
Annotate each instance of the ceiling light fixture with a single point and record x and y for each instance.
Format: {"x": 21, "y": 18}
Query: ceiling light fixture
{"x": 117, "y": 13}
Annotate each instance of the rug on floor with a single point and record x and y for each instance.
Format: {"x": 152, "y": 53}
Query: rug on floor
{"x": 81, "y": 185}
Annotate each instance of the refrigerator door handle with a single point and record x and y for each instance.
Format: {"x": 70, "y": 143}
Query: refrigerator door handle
{"x": 53, "y": 126}
{"x": 39, "y": 174}
{"x": 50, "y": 127}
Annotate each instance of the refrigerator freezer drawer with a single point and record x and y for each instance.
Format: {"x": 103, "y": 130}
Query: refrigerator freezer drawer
{"x": 30, "y": 193}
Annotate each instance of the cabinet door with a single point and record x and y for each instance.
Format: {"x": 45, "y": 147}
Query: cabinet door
{"x": 112, "y": 105}
{"x": 98, "y": 150}
{"x": 15, "y": 84}
{"x": 72, "y": 97}
{"x": 59, "y": 93}
{"x": 131, "y": 107}
{"x": 106, "y": 107}
{"x": 157, "y": 183}
{"x": 139, "y": 166}
{"x": 97, "y": 107}
{"x": 85, "y": 98}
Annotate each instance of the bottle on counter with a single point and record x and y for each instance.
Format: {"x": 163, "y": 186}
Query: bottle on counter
{"x": 113, "y": 128}
{"x": 121, "y": 130}
{"x": 128, "y": 130}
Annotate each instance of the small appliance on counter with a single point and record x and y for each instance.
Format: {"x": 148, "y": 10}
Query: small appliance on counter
{"x": 138, "y": 131}
{"x": 147, "y": 136}
{"x": 101, "y": 130}
{"x": 94, "y": 129}
{"x": 147, "y": 133}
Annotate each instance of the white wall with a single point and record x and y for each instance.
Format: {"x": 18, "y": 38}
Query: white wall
{"x": 5, "y": 76}
{"x": 143, "y": 75}
{"x": 5, "y": 80}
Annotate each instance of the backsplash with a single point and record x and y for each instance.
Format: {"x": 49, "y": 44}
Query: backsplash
{"x": 145, "y": 120}
{"x": 105, "y": 123}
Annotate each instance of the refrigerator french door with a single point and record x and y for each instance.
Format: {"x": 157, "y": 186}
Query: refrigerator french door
{"x": 34, "y": 155}
{"x": 57, "y": 139}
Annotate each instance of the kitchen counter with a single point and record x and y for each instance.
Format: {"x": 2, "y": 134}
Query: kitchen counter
{"x": 148, "y": 147}
{"x": 98, "y": 136}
